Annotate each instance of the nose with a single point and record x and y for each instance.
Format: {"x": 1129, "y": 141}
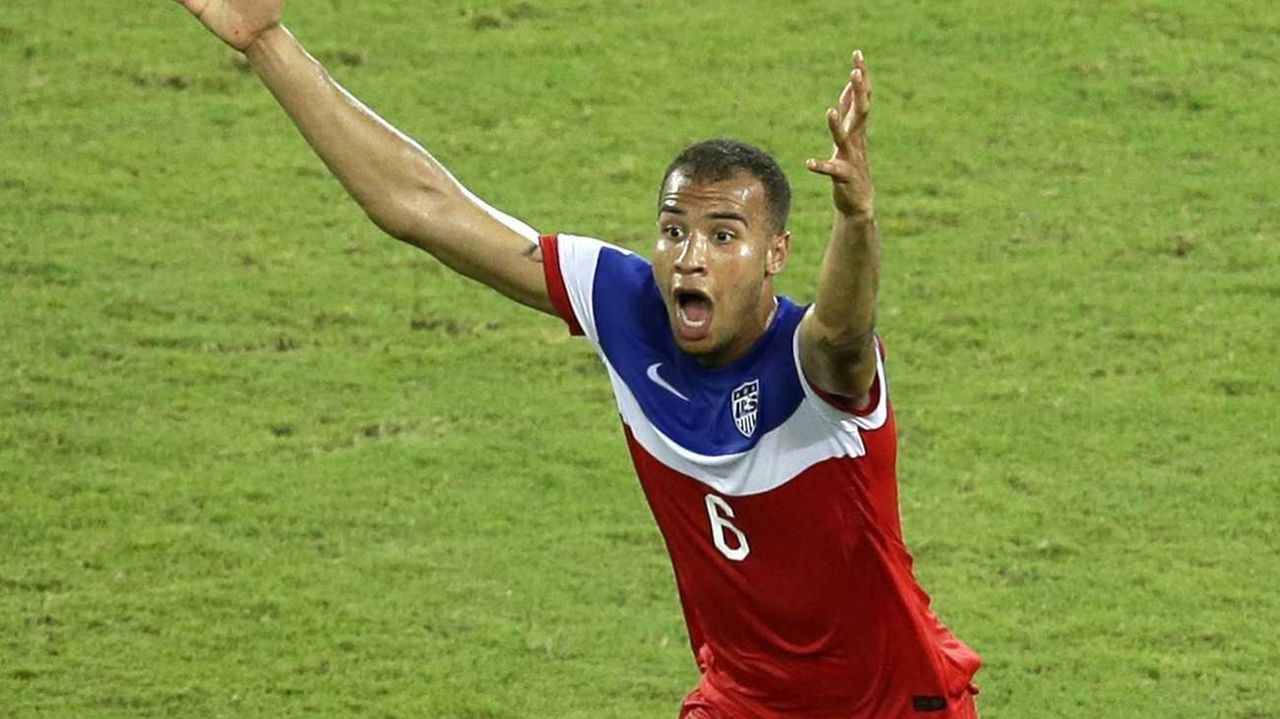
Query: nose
{"x": 692, "y": 257}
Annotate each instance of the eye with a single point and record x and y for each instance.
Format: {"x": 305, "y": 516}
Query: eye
{"x": 724, "y": 236}
{"x": 673, "y": 232}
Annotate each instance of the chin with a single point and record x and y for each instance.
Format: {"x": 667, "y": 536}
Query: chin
{"x": 695, "y": 348}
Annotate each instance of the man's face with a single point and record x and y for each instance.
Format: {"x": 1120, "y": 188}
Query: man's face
{"x": 714, "y": 262}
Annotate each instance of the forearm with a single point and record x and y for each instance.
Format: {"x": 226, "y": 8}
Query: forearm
{"x": 837, "y": 349}
{"x": 401, "y": 187}
{"x": 845, "y": 307}
{"x": 397, "y": 183}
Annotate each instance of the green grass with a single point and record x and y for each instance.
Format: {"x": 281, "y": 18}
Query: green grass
{"x": 248, "y": 445}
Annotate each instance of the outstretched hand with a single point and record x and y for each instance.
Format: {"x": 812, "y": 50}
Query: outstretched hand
{"x": 236, "y": 22}
{"x": 848, "y": 168}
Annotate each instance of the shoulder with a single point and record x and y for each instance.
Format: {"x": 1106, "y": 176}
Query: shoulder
{"x": 583, "y": 273}
{"x": 580, "y": 258}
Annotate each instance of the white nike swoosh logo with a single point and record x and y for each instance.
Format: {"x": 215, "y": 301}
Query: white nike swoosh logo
{"x": 652, "y": 373}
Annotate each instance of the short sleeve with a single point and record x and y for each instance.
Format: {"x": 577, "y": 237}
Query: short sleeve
{"x": 571, "y": 266}
{"x": 839, "y": 410}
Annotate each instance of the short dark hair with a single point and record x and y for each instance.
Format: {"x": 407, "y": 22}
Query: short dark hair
{"x": 722, "y": 159}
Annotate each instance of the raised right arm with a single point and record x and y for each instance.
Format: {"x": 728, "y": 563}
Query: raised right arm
{"x": 398, "y": 184}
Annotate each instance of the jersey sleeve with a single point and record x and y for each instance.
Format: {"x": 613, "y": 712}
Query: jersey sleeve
{"x": 574, "y": 267}
{"x": 839, "y": 411}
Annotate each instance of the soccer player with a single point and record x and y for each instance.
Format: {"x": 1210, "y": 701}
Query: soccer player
{"x": 761, "y": 430}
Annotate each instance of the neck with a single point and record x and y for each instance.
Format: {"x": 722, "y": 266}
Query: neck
{"x": 773, "y": 310}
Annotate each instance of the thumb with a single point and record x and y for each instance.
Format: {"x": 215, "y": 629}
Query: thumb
{"x": 823, "y": 167}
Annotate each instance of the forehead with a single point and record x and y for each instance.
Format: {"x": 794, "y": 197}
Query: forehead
{"x": 742, "y": 192}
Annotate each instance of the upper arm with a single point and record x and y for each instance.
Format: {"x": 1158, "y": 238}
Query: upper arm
{"x": 478, "y": 241}
{"x": 845, "y": 367}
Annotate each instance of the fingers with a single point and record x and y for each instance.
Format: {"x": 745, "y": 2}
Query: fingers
{"x": 846, "y": 98}
{"x": 835, "y": 125}
{"x": 860, "y": 62}
{"x": 849, "y": 117}
{"x": 861, "y": 80}
{"x": 847, "y": 121}
{"x": 857, "y": 114}
{"x": 855, "y": 98}
{"x": 859, "y": 89}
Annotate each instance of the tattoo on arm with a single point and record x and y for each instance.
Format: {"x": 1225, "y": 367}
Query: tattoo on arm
{"x": 534, "y": 252}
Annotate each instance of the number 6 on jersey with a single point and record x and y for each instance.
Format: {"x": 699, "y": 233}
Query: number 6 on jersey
{"x": 719, "y": 512}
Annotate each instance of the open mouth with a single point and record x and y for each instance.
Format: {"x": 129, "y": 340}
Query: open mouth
{"x": 693, "y": 313}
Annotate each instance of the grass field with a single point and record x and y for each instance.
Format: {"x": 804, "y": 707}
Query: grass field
{"x": 258, "y": 460}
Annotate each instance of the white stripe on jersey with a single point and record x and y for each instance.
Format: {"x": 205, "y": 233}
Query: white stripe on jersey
{"x": 779, "y": 456}
{"x": 578, "y": 259}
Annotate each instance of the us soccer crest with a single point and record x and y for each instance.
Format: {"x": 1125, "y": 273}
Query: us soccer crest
{"x": 746, "y": 404}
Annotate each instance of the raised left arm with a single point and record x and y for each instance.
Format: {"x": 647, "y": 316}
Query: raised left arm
{"x": 837, "y": 344}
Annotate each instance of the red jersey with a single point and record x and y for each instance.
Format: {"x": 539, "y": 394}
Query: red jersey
{"x": 778, "y": 505}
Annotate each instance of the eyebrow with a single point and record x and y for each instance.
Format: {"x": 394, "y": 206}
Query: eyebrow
{"x": 677, "y": 210}
{"x": 729, "y": 216}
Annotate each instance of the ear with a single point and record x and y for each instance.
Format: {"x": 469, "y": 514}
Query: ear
{"x": 778, "y": 252}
